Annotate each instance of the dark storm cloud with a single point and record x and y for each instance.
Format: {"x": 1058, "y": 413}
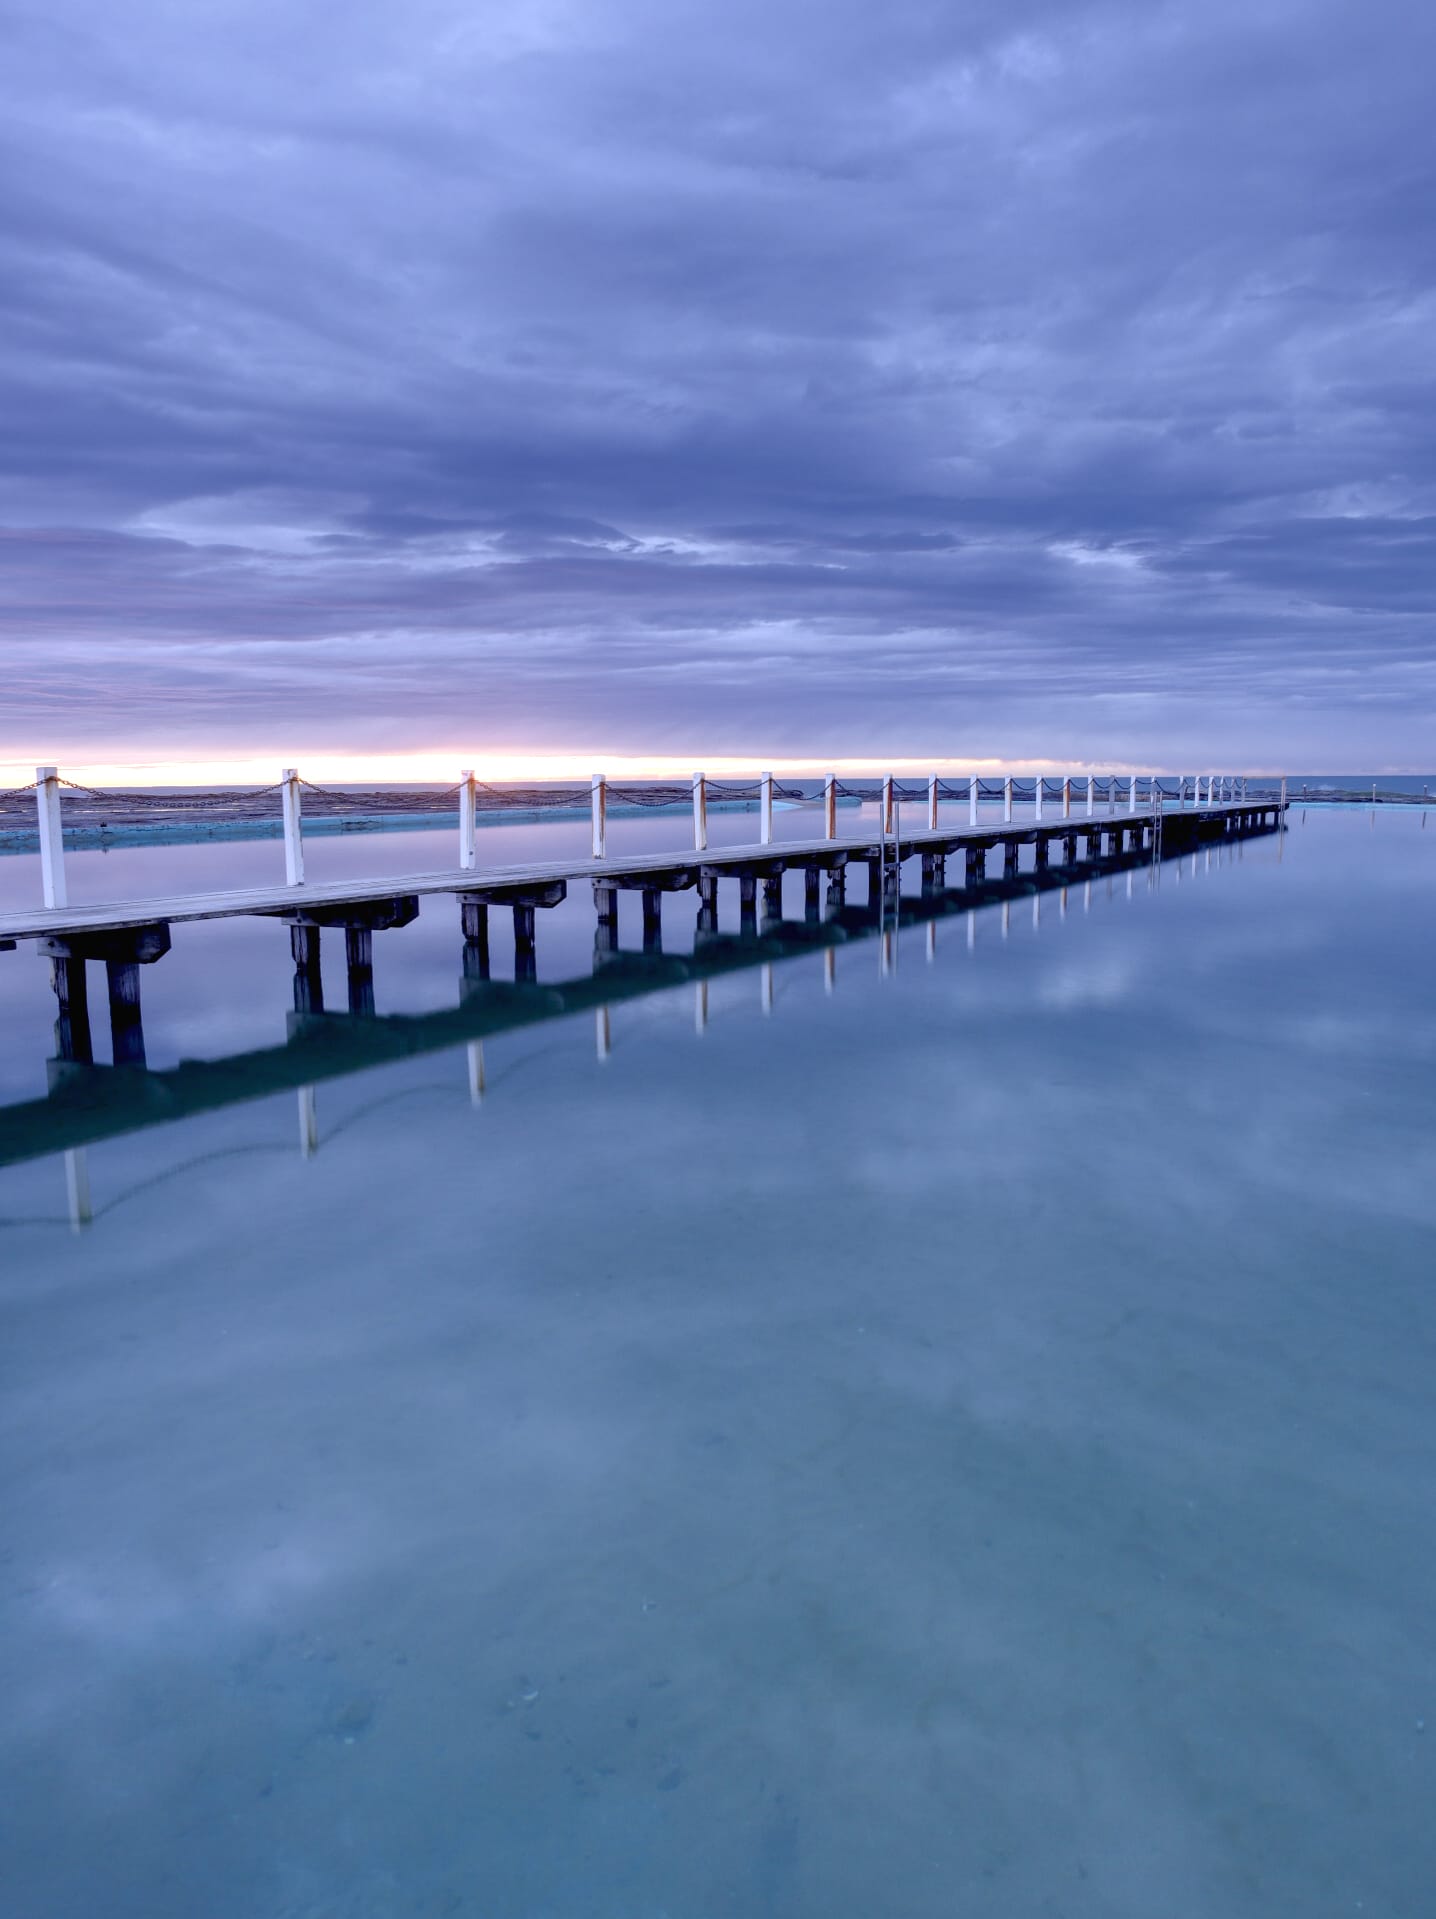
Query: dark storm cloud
{"x": 1023, "y": 379}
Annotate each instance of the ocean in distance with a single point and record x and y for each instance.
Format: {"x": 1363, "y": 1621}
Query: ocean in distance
{"x": 948, "y": 1432}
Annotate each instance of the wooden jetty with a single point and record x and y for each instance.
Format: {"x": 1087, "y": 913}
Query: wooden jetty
{"x": 127, "y": 936}
{"x": 88, "y": 1103}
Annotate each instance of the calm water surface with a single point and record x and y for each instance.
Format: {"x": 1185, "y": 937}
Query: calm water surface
{"x": 960, "y": 1443}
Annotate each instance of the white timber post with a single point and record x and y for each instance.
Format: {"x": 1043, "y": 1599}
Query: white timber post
{"x": 972, "y": 786}
{"x": 700, "y": 813}
{"x": 830, "y": 807}
{"x": 1111, "y": 794}
{"x": 932, "y": 804}
{"x": 293, "y": 832}
{"x": 599, "y": 802}
{"x": 1131, "y": 792}
{"x": 1091, "y": 795}
{"x": 1037, "y": 797}
{"x": 765, "y": 808}
{"x": 52, "y": 835}
{"x": 885, "y": 809}
{"x": 1007, "y": 799}
{"x": 1283, "y": 792}
{"x": 1066, "y": 796}
{"x": 466, "y": 818}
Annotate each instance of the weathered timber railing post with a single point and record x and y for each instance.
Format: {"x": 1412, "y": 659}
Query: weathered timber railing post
{"x": 1066, "y": 796}
{"x": 467, "y": 796}
{"x": 52, "y": 835}
{"x": 700, "y": 813}
{"x": 1007, "y": 799}
{"x": 599, "y": 803}
{"x": 765, "y": 808}
{"x": 972, "y": 786}
{"x": 932, "y": 804}
{"x": 885, "y": 807}
{"x": 1037, "y": 797}
{"x": 1091, "y": 796}
{"x": 1283, "y": 792}
{"x": 830, "y": 807}
{"x": 293, "y": 832}
{"x": 1111, "y": 794}
{"x": 1131, "y": 792}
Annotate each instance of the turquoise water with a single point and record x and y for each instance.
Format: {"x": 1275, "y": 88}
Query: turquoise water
{"x": 959, "y": 1442}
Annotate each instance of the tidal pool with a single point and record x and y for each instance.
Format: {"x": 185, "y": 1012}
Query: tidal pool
{"x": 948, "y": 1438}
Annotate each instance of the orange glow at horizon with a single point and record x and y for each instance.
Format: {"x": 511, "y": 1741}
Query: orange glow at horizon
{"x": 443, "y": 768}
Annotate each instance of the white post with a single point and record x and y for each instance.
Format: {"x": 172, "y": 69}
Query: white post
{"x": 830, "y": 807}
{"x": 830, "y": 969}
{"x": 700, "y": 1006}
{"x": 1091, "y": 795}
{"x": 293, "y": 835}
{"x": 885, "y": 810}
{"x": 972, "y": 786}
{"x": 602, "y": 1032}
{"x": 765, "y": 808}
{"x": 1111, "y": 794}
{"x": 1007, "y": 799}
{"x": 932, "y": 804}
{"x": 1066, "y": 796}
{"x": 466, "y": 818}
{"x": 599, "y": 803}
{"x": 1132, "y": 793}
{"x": 476, "y": 1072}
{"x": 765, "y": 989}
{"x": 1283, "y": 792}
{"x": 52, "y": 837}
{"x": 700, "y": 813}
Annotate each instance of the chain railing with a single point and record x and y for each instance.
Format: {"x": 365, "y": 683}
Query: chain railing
{"x": 31, "y": 814}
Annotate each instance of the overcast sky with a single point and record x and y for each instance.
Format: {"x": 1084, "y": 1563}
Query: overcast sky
{"x": 802, "y": 378}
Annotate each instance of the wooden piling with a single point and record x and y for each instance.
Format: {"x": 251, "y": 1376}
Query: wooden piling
{"x": 359, "y": 970}
{"x": 72, "y": 1023}
{"x": 127, "y": 1033}
{"x": 308, "y": 980}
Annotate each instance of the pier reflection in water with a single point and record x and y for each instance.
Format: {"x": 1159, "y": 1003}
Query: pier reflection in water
{"x": 87, "y": 1101}
{"x": 960, "y": 1440}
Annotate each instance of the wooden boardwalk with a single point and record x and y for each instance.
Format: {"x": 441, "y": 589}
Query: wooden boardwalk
{"x": 89, "y": 1102}
{"x": 125, "y": 936}
{"x": 660, "y": 870}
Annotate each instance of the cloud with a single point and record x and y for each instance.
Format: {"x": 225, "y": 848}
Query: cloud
{"x": 1024, "y": 379}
